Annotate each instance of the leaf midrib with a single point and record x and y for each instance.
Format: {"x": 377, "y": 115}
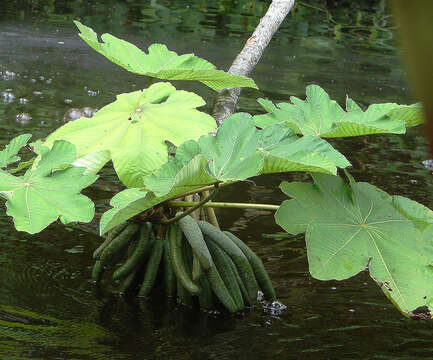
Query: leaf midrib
{"x": 382, "y": 260}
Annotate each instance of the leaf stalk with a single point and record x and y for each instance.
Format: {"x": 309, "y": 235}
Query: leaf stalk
{"x": 192, "y": 207}
{"x": 204, "y": 188}
{"x": 211, "y": 204}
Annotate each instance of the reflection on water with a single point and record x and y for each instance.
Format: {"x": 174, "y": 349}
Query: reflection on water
{"x": 49, "y": 309}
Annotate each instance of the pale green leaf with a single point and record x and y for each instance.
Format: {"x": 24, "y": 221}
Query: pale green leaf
{"x": 318, "y": 115}
{"x": 184, "y": 172}
{"x": 126, "y": 204}
{"x": 179, "y": 175}
{"x": 284, "y": 151}
{"x": 314, "y": 116}
{"x": 233, "y": 153}
{"x": 411, "y": 115}
{"x": 93, "y": 162}
{"x": 374, "y": 120}
{"x": 352, "y": 228}
{"x": 134, "y": 128}
{"x": 160, "y": 62}
{"x": 9, "y": 154}
{"x": 267, "y": 105}
{"x": 421, "y": 216}
{"x": 352, "y": 105}
{"x": 44, "y": 194}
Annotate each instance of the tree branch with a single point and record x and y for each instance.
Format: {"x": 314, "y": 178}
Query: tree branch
{"x": 250, "y": 55}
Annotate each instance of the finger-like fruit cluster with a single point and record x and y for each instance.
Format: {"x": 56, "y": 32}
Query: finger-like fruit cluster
{"x": 198, "y": 264}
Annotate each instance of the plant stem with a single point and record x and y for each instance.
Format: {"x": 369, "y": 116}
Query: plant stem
{"x": 211, "y": 213}
{"x": 197, "y": 198}
{"x": 204, "y": 188}
{"x": 211, "y": 204}
{"x": 192, "y": 207}
{"x": 189, "y": 198}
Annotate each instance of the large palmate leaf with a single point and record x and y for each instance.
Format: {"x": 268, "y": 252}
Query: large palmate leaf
{"x": 411, "y": 115}
{"x": 352, "y": 228}
{"x": 188, "y": 170}
{"x": 239, "y": 151}
{"x": 184, "y": 172}
{"x": 318, "y": 115}
{"x": 9, "y": 154}
{"x": 45, "y": 193}
{"x": 284, "y": 151}
{"x": 134, "y": 129}
{"x": 126, "y": 204}
{"x": 160, "y": 62}
{"x": 221, "y": 158}
{"x": 93, "y": 162}
{"x": 233, "y": 153}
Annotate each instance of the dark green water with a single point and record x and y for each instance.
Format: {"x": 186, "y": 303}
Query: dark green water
{"x": 48, "y": 307}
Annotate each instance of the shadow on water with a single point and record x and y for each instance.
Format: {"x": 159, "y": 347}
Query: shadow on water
{"x": 49, "y": 309}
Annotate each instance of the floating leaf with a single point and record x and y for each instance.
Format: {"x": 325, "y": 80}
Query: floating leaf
{"x": 318, "y": 115}
{"x": 44, "y": 193}
{"x": 352, "y": 228}
{"x": 134, "y": 129}
{"x": 9, "y": 154}
{"x": 161, "y": 63}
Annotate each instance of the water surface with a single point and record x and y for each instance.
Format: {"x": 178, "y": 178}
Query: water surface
{"x": 48, "y": 307}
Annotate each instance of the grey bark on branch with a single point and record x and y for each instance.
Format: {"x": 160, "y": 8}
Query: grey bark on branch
{"x": 250, "y": 55}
